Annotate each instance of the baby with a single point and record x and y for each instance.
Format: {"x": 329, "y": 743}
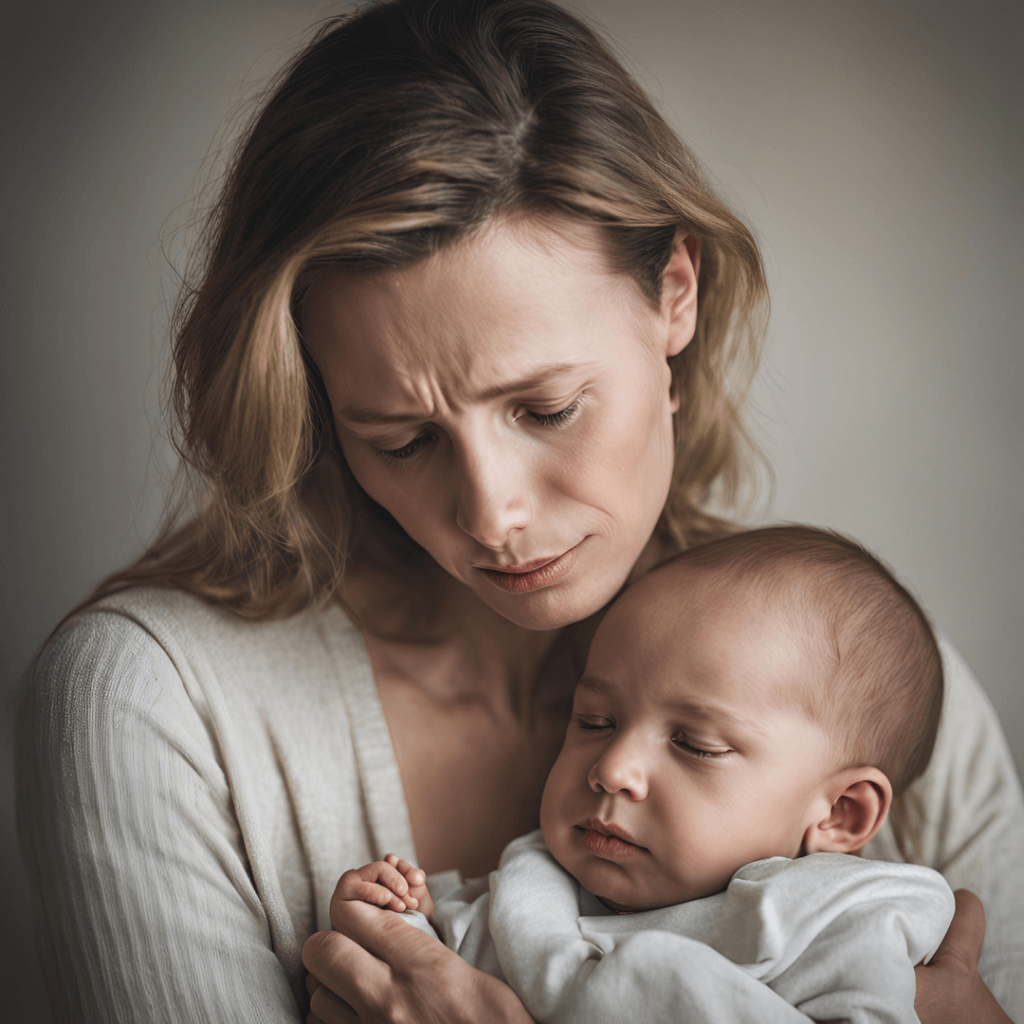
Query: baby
{"x": 747, "y": 714}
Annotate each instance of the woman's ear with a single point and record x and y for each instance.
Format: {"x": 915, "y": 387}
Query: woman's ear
{"x": 679, "y": 293}
{"x": 860, "y": 802}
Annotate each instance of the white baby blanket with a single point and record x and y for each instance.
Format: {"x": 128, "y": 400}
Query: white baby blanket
{"x": 826, "y": 937}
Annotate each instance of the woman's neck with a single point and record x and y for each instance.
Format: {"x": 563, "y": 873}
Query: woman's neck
{"x": 431, "y": 629}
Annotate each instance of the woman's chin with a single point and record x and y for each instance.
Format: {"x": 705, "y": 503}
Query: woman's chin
{"x": 552, "y": 607}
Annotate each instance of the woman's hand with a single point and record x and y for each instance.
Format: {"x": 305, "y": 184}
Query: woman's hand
{"x": 376, "y": 969}
{"x": 949, "y": 988}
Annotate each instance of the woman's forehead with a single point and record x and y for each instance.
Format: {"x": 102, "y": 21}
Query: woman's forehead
{"x": 495, "y": 309}
{"x": 539, "y": 269}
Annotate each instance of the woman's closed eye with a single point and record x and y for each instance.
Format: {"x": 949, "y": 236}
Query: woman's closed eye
{"x": 419, "y": 442}
{"x": 562, "y": 418}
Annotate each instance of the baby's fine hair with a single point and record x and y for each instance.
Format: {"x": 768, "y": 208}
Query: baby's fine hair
{"x": 880, "y": 691}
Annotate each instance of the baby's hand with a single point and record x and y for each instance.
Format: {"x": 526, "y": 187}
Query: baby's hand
{"x": 392, "y": 883}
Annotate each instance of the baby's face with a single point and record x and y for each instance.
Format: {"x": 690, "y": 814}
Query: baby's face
{"x": 687, "y": 755}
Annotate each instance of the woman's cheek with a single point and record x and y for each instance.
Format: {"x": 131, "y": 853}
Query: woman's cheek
{"x": 623, "y": 466}
{"x": 404, "y": 492}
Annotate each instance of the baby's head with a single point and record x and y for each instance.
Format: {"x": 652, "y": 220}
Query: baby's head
{"x": 764, "y": 695}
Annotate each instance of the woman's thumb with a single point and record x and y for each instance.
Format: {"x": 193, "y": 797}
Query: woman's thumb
{"x": 962, "y": 944}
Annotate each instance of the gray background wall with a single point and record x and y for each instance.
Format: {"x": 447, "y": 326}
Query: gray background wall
{"x": 875, "y": 147}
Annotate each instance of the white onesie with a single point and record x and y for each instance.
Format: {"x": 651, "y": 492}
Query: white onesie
{"x": 827, "y": 936}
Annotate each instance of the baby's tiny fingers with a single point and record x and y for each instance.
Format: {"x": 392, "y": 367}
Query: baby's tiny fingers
{"x": 381, "y": 896}
{"x": 413, "y": 874}
{"x": 392, "y": 878}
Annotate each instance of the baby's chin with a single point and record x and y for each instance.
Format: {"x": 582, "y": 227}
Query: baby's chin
{"x": 626, "y": 902}
{"x": 625, "y": 898}
{"x": 622, "y": 908}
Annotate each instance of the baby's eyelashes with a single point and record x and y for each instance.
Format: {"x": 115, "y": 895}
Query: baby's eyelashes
{"x": 699, "y": 752}
{"x": 590, "y": 723}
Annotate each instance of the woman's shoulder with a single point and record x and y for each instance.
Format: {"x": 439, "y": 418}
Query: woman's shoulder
{"x": 141, "y": 645}
{"x": 964, "y": 695}
{"x": 969, "y": 798}
{"x": 99, "y": 656}
{"x": 970, "y": 739}
{"x": 175, "y": 617}
{"x": 102, "y": 695}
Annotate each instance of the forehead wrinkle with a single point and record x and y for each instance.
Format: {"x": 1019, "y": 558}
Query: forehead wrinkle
{"x": 539, "y": 378}
{"x": 416, "y": 394}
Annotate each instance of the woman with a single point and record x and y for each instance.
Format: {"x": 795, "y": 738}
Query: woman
{"x": 465, "y": 357}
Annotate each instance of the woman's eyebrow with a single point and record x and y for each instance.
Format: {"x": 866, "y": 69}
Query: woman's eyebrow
{"x": 372, "y": 417}
{"x": 537, "y": 378}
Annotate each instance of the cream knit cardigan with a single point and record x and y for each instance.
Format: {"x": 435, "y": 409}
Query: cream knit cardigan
{"x": 191, "y": 786}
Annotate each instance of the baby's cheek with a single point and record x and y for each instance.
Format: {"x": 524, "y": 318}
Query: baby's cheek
{"x": 551, "y": 811}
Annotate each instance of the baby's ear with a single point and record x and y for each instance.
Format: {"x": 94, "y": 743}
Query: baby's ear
{"x": 860, "y": 802}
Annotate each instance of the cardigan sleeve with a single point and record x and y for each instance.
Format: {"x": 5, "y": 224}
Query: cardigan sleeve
{"x": 973, "y": 825}
{"x": 145, "y": 905}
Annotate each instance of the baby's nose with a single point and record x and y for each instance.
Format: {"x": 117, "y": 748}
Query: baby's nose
{"x": 619, "y": 770}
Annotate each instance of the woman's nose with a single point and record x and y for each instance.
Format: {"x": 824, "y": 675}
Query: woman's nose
{"x": 620, "y": 769}
{"x": 494, "y": 497}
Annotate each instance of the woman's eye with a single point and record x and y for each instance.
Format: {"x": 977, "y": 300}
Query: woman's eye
{"x": 556, "y": 419}
{"x": 709, "y": 755}
{"x": 407, "y": 450}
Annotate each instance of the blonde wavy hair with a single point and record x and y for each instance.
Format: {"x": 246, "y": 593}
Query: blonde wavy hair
{"x": 396, "y": 131}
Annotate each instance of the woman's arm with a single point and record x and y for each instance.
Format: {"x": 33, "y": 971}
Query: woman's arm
{"x": 146, "y": 907}
{"x": 973, "y": 827}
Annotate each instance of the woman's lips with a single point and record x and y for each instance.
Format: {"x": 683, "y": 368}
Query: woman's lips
{"x": 609, "y": 840}
{"x": 527, "y": 576}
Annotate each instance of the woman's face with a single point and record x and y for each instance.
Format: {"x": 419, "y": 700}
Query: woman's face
{"x": 508, "y": 400}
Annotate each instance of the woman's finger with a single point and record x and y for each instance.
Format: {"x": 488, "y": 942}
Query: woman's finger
{"x": 949, "y": 988}
{"x": 384, "y": 935}
{"x": 963, "y": 941}
{"x": 344, "y": 968}
{"x": 401, "y": 961}
{"x": 328, "y": 1008}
